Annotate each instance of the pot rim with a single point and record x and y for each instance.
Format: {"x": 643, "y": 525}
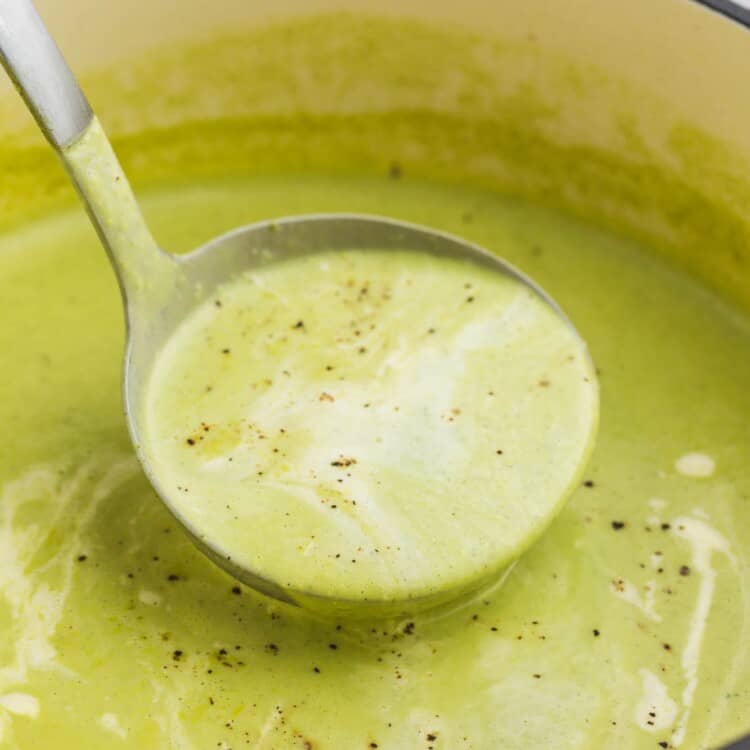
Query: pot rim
{"x": 732, "y": 10}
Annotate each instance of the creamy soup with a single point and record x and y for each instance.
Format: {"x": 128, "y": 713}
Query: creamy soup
{"x": 371, "y": 426}
{"x": 624, "y": 626}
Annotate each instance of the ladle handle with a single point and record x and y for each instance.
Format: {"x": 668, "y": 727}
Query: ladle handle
{"x": 40, "y": 73}
{"x": 62, "y": 112}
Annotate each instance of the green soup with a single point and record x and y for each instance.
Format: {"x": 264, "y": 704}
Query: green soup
{"x": 623, "y": 626}
{"x": 371, "y": 426}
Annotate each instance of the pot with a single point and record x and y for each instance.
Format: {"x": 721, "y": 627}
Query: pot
{"x": 628, "y": 115}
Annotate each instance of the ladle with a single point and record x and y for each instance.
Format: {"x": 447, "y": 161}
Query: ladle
{"x": 160, "y": 289}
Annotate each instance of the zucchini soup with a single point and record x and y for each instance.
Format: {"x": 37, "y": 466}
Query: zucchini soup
{"x": 624, "y": 625}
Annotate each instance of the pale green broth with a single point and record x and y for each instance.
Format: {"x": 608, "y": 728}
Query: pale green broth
{"x": 146, "y": 630}
{"x": 117, "y": 632}
{"x": 380, "y": 427}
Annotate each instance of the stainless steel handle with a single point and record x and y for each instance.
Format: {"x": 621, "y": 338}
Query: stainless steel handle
{"x": 62, "y": 112}
{"x": 40, "y": 73}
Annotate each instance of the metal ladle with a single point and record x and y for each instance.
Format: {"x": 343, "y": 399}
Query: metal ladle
{"x": 160, "y": 289}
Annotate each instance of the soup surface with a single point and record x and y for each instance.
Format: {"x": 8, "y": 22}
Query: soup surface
{"x": 371, "y": 426}
{"x": 624, "y": 626}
